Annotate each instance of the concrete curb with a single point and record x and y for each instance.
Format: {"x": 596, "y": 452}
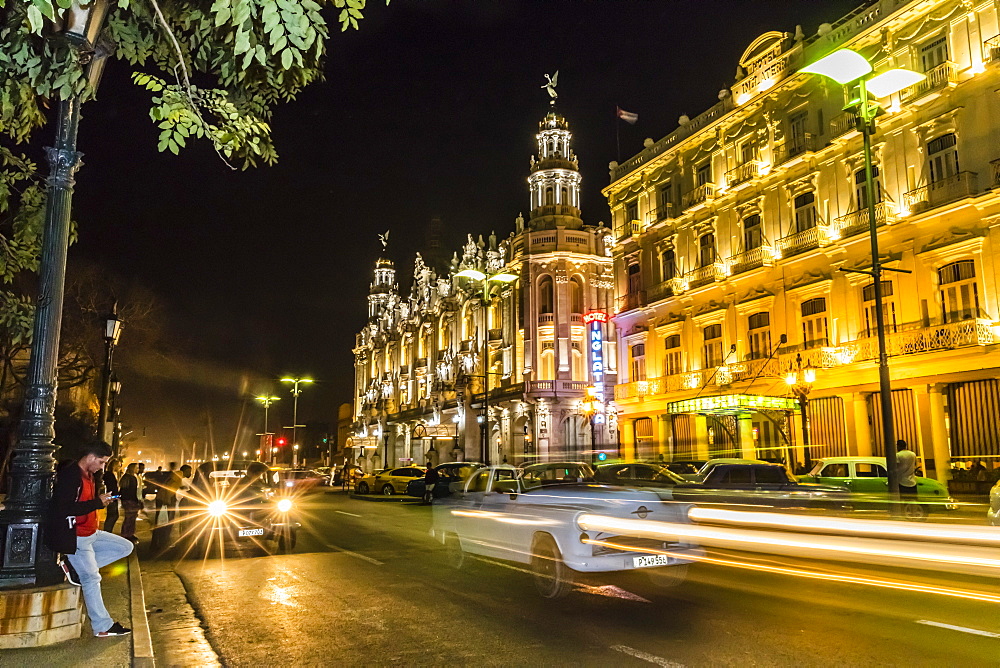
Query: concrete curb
{"x": 142, "y": 642}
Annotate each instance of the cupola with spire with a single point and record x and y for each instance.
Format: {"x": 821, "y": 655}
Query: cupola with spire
{"x": 555, "y": 179}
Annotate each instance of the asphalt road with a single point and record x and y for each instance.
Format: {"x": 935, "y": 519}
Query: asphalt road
{"x": 367, "y": 586}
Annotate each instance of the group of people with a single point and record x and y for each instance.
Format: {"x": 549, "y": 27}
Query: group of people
{"x": 85, "y": 486}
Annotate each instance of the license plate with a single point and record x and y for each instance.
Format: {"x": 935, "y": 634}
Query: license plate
{"x": 650, "y": 560}
{"x": 251, "y": 532}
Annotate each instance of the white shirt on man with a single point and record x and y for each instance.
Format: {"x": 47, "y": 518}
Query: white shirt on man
{"x": 906, "y": 467}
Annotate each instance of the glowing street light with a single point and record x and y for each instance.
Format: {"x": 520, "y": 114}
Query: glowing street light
{"x": 845, "y": 67}
{"x": 295, "y": 413}
{"x": 480, "y": 277}
{"x": 266, "y": 402}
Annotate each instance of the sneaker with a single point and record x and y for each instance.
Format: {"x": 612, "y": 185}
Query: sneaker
{"x": 71, "y": 576}
{"x": 115, "y": 630}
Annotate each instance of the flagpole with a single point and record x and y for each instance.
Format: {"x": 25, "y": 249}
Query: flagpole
{"x": 618, "y": 140}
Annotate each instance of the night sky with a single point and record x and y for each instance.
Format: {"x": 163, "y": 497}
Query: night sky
{"x": 430, "y": 109}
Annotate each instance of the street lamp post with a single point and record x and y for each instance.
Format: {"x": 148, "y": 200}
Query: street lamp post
{"x": 112, "y": 330}
{"x": 845, "y": 67}
{"x": 266, "y": 402}
{"x": 800, "y": 382}
{"x": 25, "y": 559}
{"x": 480, "y": 277}
{"x": 295, "y": 413}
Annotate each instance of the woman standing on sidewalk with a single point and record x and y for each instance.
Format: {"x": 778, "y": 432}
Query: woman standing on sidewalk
{"x": 129, "y": 486}
{"x": 110, "y": 479}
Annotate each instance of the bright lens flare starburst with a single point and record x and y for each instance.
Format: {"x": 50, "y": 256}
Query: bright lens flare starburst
{"x": 217, "y": 508}
{"x": 284, "y": 505}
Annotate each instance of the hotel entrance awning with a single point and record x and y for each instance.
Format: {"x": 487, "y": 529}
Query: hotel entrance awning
{"x": 732, "y": 404}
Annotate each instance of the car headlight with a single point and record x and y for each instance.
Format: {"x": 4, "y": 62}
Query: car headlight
{"x": 217, "y": 508}
{"x": 284, "y": 505}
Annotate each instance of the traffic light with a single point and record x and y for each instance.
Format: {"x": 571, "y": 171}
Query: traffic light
{"x": 281, "y": 441}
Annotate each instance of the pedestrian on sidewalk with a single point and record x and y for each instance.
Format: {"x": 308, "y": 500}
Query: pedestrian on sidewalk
{"x": 72, "y": 531}
{"x": 164, "y": 505}
{"x": 906, "y": 466}
{"x": 110, "y": 479}
{"x": 131, "y": 505}
{"x": 430, "y": 482}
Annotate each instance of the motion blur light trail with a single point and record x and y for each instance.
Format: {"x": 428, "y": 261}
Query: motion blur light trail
{"x": 834, "y": 577}
{"x": 972, "y": 560}
{"x": 849, "y": 527}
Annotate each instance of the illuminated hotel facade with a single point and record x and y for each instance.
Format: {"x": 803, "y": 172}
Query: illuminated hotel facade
{"x": 739, "y": 235}
{"x": 495, "y": 358}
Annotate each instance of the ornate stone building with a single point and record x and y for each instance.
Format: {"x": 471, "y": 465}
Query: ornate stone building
{"x": 492, "y": 359}
{"x": 738, "y": 237}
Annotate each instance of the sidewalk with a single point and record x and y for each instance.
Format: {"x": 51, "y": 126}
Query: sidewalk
{"x": 123, "y": 596}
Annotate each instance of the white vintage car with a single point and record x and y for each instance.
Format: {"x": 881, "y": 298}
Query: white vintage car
{"x": 498, "y": 513}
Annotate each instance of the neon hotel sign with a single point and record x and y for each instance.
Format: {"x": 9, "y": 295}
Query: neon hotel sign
{"x": 594, "y": 320}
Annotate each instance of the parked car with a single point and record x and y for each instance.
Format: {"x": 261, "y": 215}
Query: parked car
{"x": 298, "y": 480}
{"x": 389, "y": 481}
{"x": 759, "y": 484}
{"x": 532, "y": 520}
{"x": 636, "y": 474}
{"x": 866, "y": 478}
{"x": 685, "y": 466}
{"x": 547, "y": 473}
{"x": 993, "y": 513}
{"x": 449, "y": 474}
{"x": 712, "y": 463}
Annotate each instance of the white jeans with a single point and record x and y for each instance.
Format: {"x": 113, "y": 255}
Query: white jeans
{"x": 93, "y": 553}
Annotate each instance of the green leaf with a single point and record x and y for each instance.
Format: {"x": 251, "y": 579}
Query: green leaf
{"x": 286, "y": 58}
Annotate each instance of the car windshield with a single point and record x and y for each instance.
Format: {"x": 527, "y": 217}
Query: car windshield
{"x": 557, "y": 473}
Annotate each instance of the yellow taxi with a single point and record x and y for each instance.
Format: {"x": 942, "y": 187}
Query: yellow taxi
{"x": 389, "y": 481}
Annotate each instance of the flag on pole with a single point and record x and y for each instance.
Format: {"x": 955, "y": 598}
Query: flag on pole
{"x": 627, "y": 116}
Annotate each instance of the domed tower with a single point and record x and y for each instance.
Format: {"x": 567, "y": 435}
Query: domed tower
{"x": 382, "y": 288}
{"x": 555, "y": 180}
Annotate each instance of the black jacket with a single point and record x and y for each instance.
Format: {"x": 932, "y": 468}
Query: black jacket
{"x": 129, "y": 486}
{"x": 65, "y": 506}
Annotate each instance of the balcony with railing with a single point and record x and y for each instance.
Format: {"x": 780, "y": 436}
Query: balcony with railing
{"x": 909, "y": 340}
{"x": 799, "y": 242}
{"x": 628, "y": 230}
{"x": 992, "y": 49}
{"x": 495, "y": 335}
{"x": 546, "y": 318}
{"x": 942, "y": 76}
{"x": 661, "y": 291}
{"x": 703, "y": 275}
{"x": 660, "y": 213}
{"x": 631, "y": 300}
{"x": 843, "y": 123}
{"x": 995, "y": 165}
{"x": 742, "y": 173}
{"x": 857, "y": 221}
{"x": 789, "y": 149}
{"x": 576, "y": 318}
{"x": 762, "y": 256}
{"x": 700, "y": 195}
{"x": 942, "y": 191}
{"x": 420, "y": 363}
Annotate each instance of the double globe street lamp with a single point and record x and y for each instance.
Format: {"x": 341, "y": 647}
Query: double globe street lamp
{"x": 847, "y": 67}
{"x": 480, "y": 277}
{"x": 112, "y": 331}
{"x": 266, "y": 445}
{"x": 295, "y": 413}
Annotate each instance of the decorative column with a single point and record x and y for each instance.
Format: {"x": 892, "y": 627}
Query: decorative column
{"x": 665, "y": 437}
{"x": 748, "y": 449}
{"x": 628, "y": 439}
{"x": 939, "y": 433}
{"x": 856, "y": 416}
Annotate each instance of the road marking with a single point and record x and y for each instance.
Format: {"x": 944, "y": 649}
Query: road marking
{"x": 963, "y": 629}
{"x": 606, "y": 590}
{"x": 344, "y": 512}
{"x": 651, "y": 658}
{"x": 355, "y": 554}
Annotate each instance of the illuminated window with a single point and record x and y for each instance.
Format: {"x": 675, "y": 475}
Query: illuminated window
{"x": 712, "y": 347}
{"x": 934, "y": 53}
{"x": 814, "y": 323}
{"x": 797, "y": 133}
{"x": 668, "y": 264}
{"x": 637, "y": 353}
{"x": 703, "y": 174}
{"x": 706, "y": 250}
{"x": 664, "y": 197}
{"x": 959, "y": 291}
{"x": 942, "y": 158}
{"x": 672, "y": 358}
{"x": 860, "y": 189}
{"x": 575, "y": 296}
{"x": 805, "y": 212}
{"x": 550, "y": 195}
{"x": 548, "y": 366}
{"x": 888, "y": 308}
{"x": 546, "y": 300}
{"x": 759, "y": 334}
{"x": 579, "y": 365}
{"x": 753, "y": 232}
{"x": 632, "y": 210}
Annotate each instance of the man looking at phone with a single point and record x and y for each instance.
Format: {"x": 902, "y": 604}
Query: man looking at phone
{"x": 72, "y": 530}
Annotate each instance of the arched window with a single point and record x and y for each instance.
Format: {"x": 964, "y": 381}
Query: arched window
{"x": 564, "y": 195}
{"x": 550, "y": 195}
{"x": 959, "y": 291}
{"x": 546, "y": 298}
{"x": 575, "y": 296}
{"x": 468, "y": 324}
{"x": 496, "y": 313}
{"x": 579, "y": 366}
{"x": 547, "y": 370}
